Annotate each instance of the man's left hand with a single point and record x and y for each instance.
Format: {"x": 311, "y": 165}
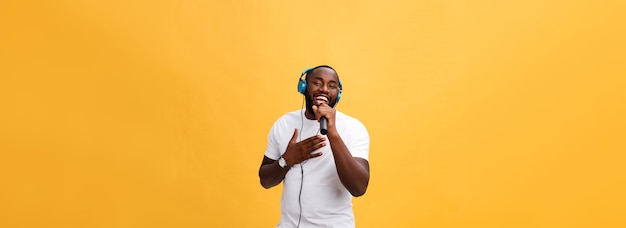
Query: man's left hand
{"x": 326, "y": 111}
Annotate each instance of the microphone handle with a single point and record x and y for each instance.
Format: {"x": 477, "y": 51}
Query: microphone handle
{"x": 323, "y": 125}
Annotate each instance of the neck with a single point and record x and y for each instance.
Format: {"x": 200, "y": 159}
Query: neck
{"x": 308, "y": 114}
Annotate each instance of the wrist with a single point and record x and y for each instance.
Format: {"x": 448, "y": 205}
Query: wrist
{"x": 332, "y": 131}
{"x": 283, "y": 163}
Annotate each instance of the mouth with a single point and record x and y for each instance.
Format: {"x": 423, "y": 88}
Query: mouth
{"x": 320, "y": 99}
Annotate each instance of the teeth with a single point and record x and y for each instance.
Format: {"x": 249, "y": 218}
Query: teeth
{"x": 321, "y": 98}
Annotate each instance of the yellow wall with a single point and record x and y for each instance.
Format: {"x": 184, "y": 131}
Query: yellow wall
{"x": 155, "y": 113}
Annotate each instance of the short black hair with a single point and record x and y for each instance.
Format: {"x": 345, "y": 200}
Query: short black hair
{"x": 306, "y": 78}
{"x": 320, "y": 66}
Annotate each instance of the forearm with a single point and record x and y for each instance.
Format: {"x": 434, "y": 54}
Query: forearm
{"x": 353, "y": 172}
{"x": 270, "y": 173}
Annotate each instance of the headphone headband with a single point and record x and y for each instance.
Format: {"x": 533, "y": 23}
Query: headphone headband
{"x": 302, "y": 81}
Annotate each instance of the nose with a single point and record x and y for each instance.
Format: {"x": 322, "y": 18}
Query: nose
{"x": 324, "y": 88}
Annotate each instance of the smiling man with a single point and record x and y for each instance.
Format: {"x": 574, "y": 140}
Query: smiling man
{"x": 321, "y": 173}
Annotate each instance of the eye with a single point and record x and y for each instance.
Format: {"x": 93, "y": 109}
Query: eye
{"x": 332, "y": 86}
{"x": 317, "y": 83}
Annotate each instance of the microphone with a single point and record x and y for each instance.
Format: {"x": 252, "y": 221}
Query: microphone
{"x": 323, "y": 122}
{"x": 323, "y": 125}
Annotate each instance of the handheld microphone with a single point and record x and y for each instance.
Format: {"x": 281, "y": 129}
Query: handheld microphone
{"x": 323, "y": 125}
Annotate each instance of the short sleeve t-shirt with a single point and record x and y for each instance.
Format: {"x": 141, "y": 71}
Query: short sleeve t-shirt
{"x": 313, "y": 195}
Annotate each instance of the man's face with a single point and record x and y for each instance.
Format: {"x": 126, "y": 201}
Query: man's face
{"x": 322, "y": 87}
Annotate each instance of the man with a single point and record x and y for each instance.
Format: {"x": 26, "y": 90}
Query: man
{"x": 321, "y": 173}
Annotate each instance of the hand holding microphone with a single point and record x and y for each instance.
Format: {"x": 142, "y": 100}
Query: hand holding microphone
{"x": 322, "y": 111}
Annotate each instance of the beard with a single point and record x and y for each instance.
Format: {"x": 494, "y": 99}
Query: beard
{"x": 309, "y": 103}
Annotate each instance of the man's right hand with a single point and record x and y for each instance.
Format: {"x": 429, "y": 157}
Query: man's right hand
{"x": 298, "y": 152}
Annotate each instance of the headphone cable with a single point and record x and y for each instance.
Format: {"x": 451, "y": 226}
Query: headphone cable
{"x": 301, "y": 167}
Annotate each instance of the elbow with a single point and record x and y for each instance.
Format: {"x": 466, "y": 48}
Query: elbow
{"x": 359, "y": 188}
{"x": 263, "y": 181}
{"x": 266, "y": 184}
{"x": 358, "y": 192}
{"x": 267, "y": 181}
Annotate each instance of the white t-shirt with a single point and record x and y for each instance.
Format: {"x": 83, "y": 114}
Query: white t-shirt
{"x": 325, "y": 202}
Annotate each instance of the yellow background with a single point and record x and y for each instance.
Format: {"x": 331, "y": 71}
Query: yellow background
{"x": 156, "y": 113}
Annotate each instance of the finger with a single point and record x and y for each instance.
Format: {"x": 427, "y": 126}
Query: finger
{"x": 313, "y": 140}
{"x": 317, "y": 146}
{"x": 316, "y": 111}
{"x": 324, "y": 108}
{"x": 295, "y": 135}
{"x": 315, "y": 155}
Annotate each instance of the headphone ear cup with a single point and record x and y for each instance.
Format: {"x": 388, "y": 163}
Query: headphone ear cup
{"x": 302, "y": 82}
{"x": 339, "y": 94}
{"x": 338, "y": 97}
{"x": 301, "y": 86}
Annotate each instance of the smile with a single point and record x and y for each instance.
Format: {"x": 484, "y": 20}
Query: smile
{"x": 320, "y": 99}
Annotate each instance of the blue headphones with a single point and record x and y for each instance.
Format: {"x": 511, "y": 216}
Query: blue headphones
{"x": 302, "y": 81}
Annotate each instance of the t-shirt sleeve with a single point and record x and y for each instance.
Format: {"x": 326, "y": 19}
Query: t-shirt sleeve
{"x": 359, "y": 143}
{"x": 272, "y": 151}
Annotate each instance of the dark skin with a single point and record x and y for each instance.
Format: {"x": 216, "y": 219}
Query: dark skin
{"x": 354, "y": 173}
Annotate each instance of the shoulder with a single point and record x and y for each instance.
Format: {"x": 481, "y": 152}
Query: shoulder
{"x": 287, "y": 120}
{"x": 350, "y": 126}
{"x": 348, "y": 120}
{"x": 290, "y": 117}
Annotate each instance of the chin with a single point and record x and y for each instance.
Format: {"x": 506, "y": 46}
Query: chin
{"x": 310, "y": 102}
